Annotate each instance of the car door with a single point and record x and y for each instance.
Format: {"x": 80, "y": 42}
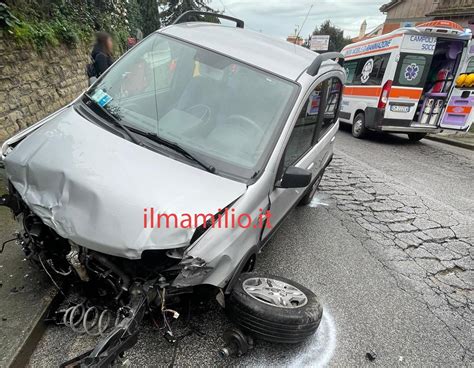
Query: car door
{"x": 309, "y": 146}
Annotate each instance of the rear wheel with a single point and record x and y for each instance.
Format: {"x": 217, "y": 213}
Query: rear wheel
{"x": 274, "y": 308}
{"x": 358, "y": 126}
{"x": 415, "y": 137}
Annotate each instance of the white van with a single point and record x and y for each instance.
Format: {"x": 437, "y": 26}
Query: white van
{"x": 403, "y": 81}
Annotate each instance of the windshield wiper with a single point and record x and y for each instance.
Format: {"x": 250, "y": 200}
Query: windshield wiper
{"x": 114, "y": 120}
{"x": 175, "y": 147}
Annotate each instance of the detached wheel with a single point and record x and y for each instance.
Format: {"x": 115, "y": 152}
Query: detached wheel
{"x": 358, "y": 126}
{"x": 274, "y": 309}
{"x": 308, "y": 197}
{"x": 415, "y": 137}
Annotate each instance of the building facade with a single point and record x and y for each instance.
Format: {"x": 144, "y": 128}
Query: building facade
{"x": 459, "y": 11}
{"x": 409, "y": 13}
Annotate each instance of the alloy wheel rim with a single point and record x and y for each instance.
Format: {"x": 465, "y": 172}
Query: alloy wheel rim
{"x": 274, "y": 292}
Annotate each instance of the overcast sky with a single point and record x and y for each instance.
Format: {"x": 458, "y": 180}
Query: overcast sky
{"x": 280, "y": 17}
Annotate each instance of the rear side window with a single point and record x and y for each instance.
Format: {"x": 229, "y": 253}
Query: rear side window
{"x": 302, "y": 137}
{"x": 317, "y": 116}
{"x": 368, "y": 71}
{"x": 412, "y": 70}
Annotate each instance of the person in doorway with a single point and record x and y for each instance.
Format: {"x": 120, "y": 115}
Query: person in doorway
{"x": 102, "y": 53}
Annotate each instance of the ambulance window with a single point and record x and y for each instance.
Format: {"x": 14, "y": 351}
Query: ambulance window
{"x": 367, "y": 71}
{"x": 380, "y": 65}
{"x": 350, "y": 67}
{"x": 412, "y": 70}
{"x": 470, "y": 66}
{"x": 370, "y": 70}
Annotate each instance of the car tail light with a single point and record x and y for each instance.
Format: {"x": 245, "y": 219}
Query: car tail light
{"x": 384, "y": 96}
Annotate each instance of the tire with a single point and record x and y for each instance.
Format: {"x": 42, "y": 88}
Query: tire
{"x": 415, "y": 137}
{"x": 308, "y": 197}
{"x": 358, "y": 126}
{"x": 269, "y": 322}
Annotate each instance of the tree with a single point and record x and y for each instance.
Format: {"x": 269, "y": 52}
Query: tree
{"x": 150, "y": 16}
{"x": 337, "y": 41}
{"x": 172, "y": 9}
{"x": 134, "y": 16}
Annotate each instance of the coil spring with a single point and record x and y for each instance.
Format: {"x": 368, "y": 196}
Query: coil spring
{"x": 89, "y": 320}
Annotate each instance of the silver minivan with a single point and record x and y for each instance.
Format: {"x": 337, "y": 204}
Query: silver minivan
{"x": 170, "y": 174}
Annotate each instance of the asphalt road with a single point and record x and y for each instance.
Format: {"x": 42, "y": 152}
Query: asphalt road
{"x": 387, "y": 245}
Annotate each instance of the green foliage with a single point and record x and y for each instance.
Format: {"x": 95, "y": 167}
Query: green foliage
{"x": 174, "y": 8}
{"x": 134, "y": 16}
{"x": 69, "y": 22}
{"x": 7, "y": 20}
{"x": 150, "y": 16}
{"x": 51, "y": 22}
{"x": 337, "y": 41}
{"x": 39, "y": 34}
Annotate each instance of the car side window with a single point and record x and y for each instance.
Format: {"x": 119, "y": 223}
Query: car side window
{"x": 301, "y": 139}
{"x": 312, "y": 123}
{"x": 333, "y": 99}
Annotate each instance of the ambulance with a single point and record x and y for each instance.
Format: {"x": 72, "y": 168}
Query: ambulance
{"x": 414, "y": 80}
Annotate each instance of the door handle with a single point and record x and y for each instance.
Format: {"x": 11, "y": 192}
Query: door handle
{"x": 310, "y": 166}
{"x": 333, "y": 139}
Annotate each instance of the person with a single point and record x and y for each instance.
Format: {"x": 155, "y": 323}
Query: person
{"x": 101, "y": 55}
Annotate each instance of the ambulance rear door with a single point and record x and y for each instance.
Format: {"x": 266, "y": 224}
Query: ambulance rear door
{"x": 413, "y": 65}
{"x": 459, "y": 112}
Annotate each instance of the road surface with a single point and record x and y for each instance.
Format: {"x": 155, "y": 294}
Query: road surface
{"x": 387, "y": 244}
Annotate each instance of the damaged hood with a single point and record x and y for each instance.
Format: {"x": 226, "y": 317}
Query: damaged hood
{"x": 93, "y": 187}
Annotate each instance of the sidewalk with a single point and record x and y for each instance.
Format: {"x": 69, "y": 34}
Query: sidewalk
{"x": 459, "y": 139}
{"x": 25, "y": 295}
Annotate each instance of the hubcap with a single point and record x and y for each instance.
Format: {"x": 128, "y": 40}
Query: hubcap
{"x": 274, "y": 292}
{"x": 357, "y": 126}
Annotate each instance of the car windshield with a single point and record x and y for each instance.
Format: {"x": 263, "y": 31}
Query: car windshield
{"x": 222, "y": 111}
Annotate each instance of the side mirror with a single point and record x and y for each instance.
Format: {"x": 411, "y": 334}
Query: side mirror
{"x": 295, "y": 177}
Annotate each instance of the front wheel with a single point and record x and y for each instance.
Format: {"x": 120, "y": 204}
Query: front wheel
{"x": 415, "y": 137}
{"x": 273, "y": 308}
{"x": 358, "y": 126}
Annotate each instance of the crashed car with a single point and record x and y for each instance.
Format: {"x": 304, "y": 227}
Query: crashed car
{"x": 198, "y": 121}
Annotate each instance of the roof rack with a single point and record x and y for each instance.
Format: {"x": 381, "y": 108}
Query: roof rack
{"x": 313, "y": 69}
{"x": 190, "y": 16}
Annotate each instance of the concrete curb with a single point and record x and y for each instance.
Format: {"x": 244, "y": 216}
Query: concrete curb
{"x": 450, "y": 141}
{"x": 33, "y": 333}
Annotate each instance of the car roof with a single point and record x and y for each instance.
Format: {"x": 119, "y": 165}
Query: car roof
{"x": 274, "y": 55}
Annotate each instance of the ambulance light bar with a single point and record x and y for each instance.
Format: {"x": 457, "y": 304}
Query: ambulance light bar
{"x": 441, "y": 26}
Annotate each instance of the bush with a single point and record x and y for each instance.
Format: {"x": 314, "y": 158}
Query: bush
{"x": 49, "y": 23}
{"x": 66, "y": 32}
{"x": 7, "y": 20}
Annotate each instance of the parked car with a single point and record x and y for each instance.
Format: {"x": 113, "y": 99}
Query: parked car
{"x": 403, "y": 82}
{"x": 227, "y": 121}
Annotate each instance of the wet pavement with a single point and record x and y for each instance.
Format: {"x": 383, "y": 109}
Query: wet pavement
{"x": 387, "y": 245}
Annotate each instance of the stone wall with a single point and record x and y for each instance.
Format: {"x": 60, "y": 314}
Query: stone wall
{"x": 33, "y": 85}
